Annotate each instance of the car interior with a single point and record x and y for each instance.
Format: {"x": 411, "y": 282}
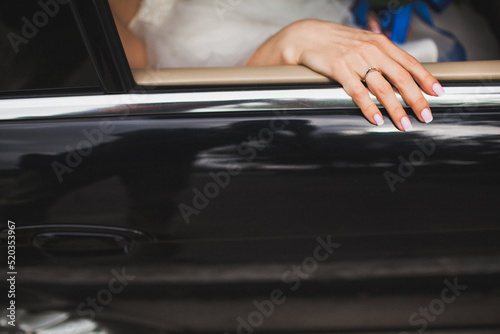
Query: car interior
{"x": 482, "y": 65}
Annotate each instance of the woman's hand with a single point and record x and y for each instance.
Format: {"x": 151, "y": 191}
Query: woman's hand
{"x": 345, "y": 54}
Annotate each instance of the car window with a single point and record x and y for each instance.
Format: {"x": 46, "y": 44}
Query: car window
{"x": 465, "y": 21}
{"x": 41, "y": 48}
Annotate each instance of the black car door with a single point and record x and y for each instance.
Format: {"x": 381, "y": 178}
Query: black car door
{"x": 130, "y": 206}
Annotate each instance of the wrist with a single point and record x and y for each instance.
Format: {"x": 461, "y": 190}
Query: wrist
{"x": 291, "y": 40}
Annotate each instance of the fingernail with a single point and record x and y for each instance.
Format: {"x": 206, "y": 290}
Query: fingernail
{"x": 377, "y": 30}
{"x": 426, "y": 115}
{"x": 378, "y": 119}
{"x": 405, "y": 122}
{"x": 438, "y": 89}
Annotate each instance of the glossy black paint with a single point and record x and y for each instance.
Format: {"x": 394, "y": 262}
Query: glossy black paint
{"x": 86, "y": 213}
{"x": 317, "y": 169}
{"x": 317, "y": 174}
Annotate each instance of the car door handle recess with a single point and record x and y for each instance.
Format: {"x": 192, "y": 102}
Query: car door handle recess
{"x": 80, "y": 240}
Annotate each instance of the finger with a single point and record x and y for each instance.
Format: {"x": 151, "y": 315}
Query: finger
{"x": 409, "y": 90}
{"x": 384, "y": 92}
{"x": 373, "y": 24}
{"x": 359, "y": 94}
{"x": 423, "y": 77}
{"x": 351, "y": 82}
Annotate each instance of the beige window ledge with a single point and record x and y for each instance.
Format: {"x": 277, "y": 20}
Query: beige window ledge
{"x": 456, "y": 71}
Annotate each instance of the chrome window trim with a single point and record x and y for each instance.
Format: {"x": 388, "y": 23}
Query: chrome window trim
{"x": 469, "y": 97}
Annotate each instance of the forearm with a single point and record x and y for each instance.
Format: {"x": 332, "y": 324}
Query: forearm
{"x": 278, "y": 49}
{"x": 135, "y": 49}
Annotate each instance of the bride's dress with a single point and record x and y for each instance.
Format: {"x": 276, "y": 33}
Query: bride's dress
{"x": 211, "y": 33}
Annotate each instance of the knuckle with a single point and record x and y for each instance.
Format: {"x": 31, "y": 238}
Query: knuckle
{"x": 404, "y": 78}
{"x": 428, "y": 78}
{"x": 382, "y": 39}
{"x": 382, "y": 88}
{"x": 371, "y": 109}
{"x": 411, "y": 62}
{"x": 370, "y": 47}
{"x": 419, "y": 101}
{"x": 396, "y": 111}
{"x": 357, "y": 92}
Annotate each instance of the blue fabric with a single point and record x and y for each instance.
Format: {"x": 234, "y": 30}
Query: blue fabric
{"x": 401, "y": 23}
{"x": 398, "y": 22}
{"x": 360, "y": 12}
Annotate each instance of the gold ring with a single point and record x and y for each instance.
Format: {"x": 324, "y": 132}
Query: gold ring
{"x": 369, "y": 70}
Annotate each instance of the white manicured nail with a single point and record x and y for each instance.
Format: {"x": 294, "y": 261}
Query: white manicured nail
{"x": 438, "y": 89}
{"x": 378, "y": 119}
{"x": 426, "y": 115}
{"x": 405, "y": 122}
